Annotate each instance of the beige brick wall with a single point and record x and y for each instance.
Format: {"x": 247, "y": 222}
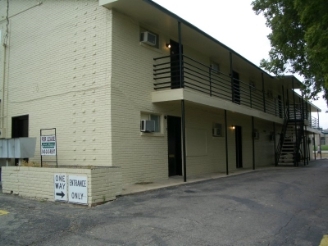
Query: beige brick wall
{"x": 80, "y": 68}
{"x": 103, "y": 183}
{"x": 144, "y": 158}
{"x": 59, "y": 67}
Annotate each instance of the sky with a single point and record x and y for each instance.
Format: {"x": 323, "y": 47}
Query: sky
{"x": 236, "y": 25}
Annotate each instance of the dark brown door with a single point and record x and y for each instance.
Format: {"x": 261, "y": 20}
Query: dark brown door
{"x": 239, "y": 147}
{"x": 235, "y": 87}
{"x": 174, "y": 145}
{"x": 19, "y": 129}
{"x": 175, "y": 64}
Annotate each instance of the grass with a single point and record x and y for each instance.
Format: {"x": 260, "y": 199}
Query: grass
{"x": 324, "y": 147}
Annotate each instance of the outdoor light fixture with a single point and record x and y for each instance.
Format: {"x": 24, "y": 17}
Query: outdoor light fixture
{"x": 168, "y": 46}
{"x": 233, "y": 127}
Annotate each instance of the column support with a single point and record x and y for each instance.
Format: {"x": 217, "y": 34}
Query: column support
{"x": 253, "y": 148}
{"x": 296, "y": 150}
{"x": 275, "y": 144}
{"x": 226, "y": 141}
{"x": 183, "y": 131}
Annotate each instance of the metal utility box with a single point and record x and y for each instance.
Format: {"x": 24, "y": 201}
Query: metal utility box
{"x": 17, "y": 147}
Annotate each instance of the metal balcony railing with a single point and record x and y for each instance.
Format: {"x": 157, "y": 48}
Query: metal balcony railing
{"x": 202, "y": 78}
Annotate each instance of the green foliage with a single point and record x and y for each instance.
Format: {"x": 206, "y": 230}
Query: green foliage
{"x": 299, "y": 40}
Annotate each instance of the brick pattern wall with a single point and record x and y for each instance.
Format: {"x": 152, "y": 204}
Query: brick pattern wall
{"x": 144, "y": 158}
{"x": 58, "y": 73}
{"x": 104, "y": 184}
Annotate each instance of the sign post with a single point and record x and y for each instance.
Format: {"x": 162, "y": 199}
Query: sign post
{"x": 48, "y": 144}
{"x": 60, "y": 187}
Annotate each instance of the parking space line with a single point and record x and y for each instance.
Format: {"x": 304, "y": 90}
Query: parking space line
{"x": 3, "y": 212}
{"x": 324, "y": 241}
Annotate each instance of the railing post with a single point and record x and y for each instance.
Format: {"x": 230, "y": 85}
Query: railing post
{"x": 263, "y": 93}
{"x": 288, "y": 104}
{"x": 318, "y": 119}
{"x": 250, "y": 96}
{"x": 180, "y": 57}
{"x": 231, "y": 76}
{"x": 210, "y": 74}
{"x": 283, "y": 100}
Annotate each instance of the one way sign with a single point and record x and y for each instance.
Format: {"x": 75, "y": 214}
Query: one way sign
{"x": 60, "y": 187}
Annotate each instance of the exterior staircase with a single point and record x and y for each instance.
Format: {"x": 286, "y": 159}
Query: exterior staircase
{"x": 289, "y": 152}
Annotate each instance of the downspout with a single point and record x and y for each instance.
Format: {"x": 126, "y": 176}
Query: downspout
{"x": 226, "y": 141}
{"x": 3, "y": 85}
{"x": 274, "y": 144}
{"x": 5, "y": 41}
{"x": 183, "y": 112}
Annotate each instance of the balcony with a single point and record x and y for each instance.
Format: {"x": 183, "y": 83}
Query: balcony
{"x": 212, "y": 82}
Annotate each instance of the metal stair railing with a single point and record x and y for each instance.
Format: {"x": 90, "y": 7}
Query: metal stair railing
{"x": 282, "y": 135}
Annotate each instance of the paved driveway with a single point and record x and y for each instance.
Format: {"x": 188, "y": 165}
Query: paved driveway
{"x": 283, "y": 206}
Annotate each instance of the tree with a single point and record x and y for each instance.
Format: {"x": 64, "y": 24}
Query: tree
{"x": 299, "y": 40}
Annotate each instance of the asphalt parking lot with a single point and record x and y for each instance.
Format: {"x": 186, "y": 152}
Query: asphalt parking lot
{"x": 278, "y": 206}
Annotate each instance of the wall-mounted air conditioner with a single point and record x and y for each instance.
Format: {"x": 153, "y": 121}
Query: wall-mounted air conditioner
{"x": 215, "y": 68}
{"x": 147, "y": 126}
{"x": 217, "y": 130}
{"x": 148, "y": 38}
{"x": 256, "y": 134}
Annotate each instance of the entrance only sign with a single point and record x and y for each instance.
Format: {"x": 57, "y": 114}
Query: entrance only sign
{"x": 78, "y": 189}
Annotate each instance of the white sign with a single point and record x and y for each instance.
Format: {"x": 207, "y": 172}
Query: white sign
{"x": 60, "y": 187}
{"x": 48, "y": 145}
{"x": 78, "y": 189}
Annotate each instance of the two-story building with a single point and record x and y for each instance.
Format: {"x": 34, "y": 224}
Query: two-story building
{"x": 127, "y": 83}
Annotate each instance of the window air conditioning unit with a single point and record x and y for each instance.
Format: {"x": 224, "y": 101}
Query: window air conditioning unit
{"x": 215, "y": 68}
{"x": 147, "y": 126}
{"x": 217, "y": 130}
{"x": 148, "y": 38}
{"x": 2, "y": 133}
{"x": 256, "y": 134}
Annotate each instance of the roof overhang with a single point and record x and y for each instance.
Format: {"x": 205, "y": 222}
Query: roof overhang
{"x": 157, "y": 18}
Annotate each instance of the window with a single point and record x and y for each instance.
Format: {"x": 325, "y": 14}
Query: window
{"x": 156, "y": 118}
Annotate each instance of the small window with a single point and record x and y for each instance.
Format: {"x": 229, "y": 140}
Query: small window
{"x": 157, "y": 119}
